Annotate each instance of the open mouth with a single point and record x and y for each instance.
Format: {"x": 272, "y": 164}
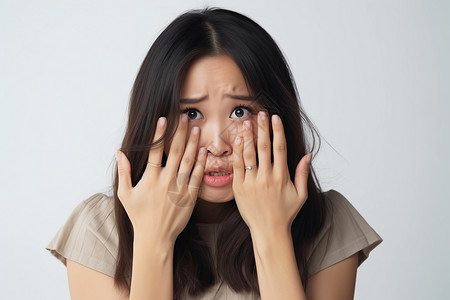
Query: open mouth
{"x": 217, "y": 173}
{"x": 217, "y": 179}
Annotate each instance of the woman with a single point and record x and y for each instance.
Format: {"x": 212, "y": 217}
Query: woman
{"x": 212, "y": 194}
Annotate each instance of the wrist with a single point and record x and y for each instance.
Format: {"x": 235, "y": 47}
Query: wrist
{"x": 153, "y": 242}
{"x": 270, "y": 233}
{"x": 266, "y": 241}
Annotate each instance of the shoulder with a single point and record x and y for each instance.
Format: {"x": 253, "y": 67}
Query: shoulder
{"x": 89, "y": 236}
{"x": 343, "y": 214}
{"x": 344, "y": 233}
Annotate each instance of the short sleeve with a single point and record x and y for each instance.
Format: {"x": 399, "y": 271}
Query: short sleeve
{"x": 89, "y": 236}
{"x": 345, "y": 233}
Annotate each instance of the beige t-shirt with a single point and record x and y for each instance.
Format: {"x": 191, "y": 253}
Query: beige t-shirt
{"x": 89, "y": 237}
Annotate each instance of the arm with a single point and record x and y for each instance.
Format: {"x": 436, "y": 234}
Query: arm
{"x": 277, "y": 270}
{"x": 159, "y": 207}
{"x": 269, "y": 201}
{"x": 278, "y": 275}
{"x": 152, "y": 269}
{"x": 152, "y": 275}
{"x": 158, "y": 210}
{"x": 88, "y": 284}
{"x": 335, "y": 282}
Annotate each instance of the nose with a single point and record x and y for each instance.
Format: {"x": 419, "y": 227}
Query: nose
{"x": 217, "y": 139}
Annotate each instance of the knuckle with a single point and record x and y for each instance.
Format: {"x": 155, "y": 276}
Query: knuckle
{"x": 121, "y": 195}
{"x": 176, "y": 150}
{"x": 182, "y": 178}
{"x": 249, "y": 146}
{"x": 247, "y": 157}
{"x": 188, "y": 160}
{"x": 264, "y": 181}
{"x": 281, "y": 147}
{"x": 237, "y": 153}
{"x": 122, "y": 172}
{"x": 264, "y": 147}
{"x": 193, "y": 178}
{"x": 278, "y": 179}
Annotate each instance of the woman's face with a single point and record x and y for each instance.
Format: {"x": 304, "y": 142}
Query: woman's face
{"x": 216, "y": 99}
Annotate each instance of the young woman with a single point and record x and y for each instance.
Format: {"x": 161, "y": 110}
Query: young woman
{"x": 214, "y": 195}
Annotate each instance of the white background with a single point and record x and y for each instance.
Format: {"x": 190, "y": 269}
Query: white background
{"x": 372, "y": 75}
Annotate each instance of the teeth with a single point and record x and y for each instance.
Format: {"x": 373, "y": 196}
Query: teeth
{"x": 217, "y": 173}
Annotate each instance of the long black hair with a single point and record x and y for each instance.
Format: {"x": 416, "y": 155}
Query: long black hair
{"x": 156, "y": 93}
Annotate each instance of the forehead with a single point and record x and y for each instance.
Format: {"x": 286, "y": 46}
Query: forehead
{"x": 211, "y": 74}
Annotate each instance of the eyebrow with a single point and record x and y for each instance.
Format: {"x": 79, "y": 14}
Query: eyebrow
{"x": 197, "y": 100}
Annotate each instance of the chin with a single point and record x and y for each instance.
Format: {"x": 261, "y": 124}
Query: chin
{"x": 216, "y": 194}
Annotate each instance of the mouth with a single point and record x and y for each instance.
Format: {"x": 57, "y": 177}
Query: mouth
{"x": 217, "y": 179}
{"x": 217, "y": 173}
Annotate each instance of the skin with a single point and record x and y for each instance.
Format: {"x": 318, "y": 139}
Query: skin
{"x": 216, "y": 81}
{"x": 215, "y": 136}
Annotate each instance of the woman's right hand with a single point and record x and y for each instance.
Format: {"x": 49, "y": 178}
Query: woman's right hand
{"x": 161, "y": 204}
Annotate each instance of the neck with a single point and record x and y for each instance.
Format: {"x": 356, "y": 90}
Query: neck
{"x": 208, "y": 212}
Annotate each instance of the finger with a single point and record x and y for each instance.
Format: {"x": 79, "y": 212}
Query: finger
{"x": 189, "y": 157}
{"x": 124, "y": 172}
{"x": 249, "y": 151}
{"x": 155, "y": 154}
{"x": 301, "y": 176}
{"x": 177, "y": 147}
{"x": 238, "y": 162}
{"x": 264, "y": 151}
{"x": 197, "y": 174}
{"x": 279, "y": 147}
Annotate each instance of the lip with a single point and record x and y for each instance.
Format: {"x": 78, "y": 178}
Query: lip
{"x": 218, "y": 165}
{"x": 217, "y": 181}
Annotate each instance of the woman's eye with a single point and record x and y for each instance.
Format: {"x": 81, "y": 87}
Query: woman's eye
{"x": 193, "y": 114}
{"x": 241, "y": 112}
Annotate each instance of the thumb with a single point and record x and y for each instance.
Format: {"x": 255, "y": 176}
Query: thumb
{"x": 124, "y": 172}
{"x": 301, "y": 175}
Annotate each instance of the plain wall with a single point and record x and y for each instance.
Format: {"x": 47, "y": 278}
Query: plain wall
{"x": 372, "y": 75}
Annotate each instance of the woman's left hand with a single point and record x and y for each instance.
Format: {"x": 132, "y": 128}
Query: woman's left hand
{"x": 267, "y": 199}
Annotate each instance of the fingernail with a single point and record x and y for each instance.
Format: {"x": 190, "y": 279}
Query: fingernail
{"x": 161, "y": 121}
{"x": 262, "y": 115}
{"x": 238, "y": 140}
{"x": 247, "y": 125}
{"x": 184, "y": 118}
{"x": 202, "y": 151}
{"x": 276, "y": 119}
{"x": 118, "y": 156}
{"x": 195, "y": 130}
{"x": 308, "y": 158}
